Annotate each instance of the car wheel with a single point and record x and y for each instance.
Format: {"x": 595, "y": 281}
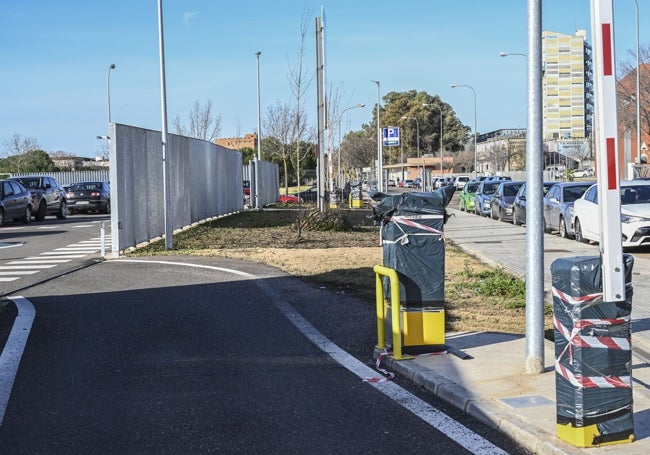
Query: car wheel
{"x": 42, "y": 210}
{"x": 544, "y": 226}
{"x": 2, "y": 217}
{"x": 562, "y": 228}
{"x": 107, "y": 209}
{"x": 460, "y": 206}
{"x": 28, "y": 215}
{"x": 515, "y": 221}
{"x": 62, "y": 214}
{"x": 578, "y": 230}
{"x": 500, "y": 215}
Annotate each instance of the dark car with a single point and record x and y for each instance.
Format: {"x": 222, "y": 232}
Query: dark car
{"x": 89, "y": 197}
{"x": 15, "y": 202}
{"x": 519, "y": 206}
{"x": 48, "y": 197}
{"x": 483, "y": 196}
{"x": 558, "y": 206}
{"x": 247, "y": 187}
{"x": 310, "y": 194}
{"x": 502, "y": 199}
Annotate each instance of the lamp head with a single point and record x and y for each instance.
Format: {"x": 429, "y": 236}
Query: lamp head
{"x": 504, "y": 54}
{"x": 112, "y": 66}
{"x": 258, "y": 53}
{"x": 454, "y": 85}
{"x": 362, "y": 105}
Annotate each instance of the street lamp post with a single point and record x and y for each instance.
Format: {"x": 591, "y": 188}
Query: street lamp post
{"x": 259, "y": 136}
{"x": 475, "y": 155}
{"x": 638, "y": 88}
{"x": 108, "y": 89}
{"x": 440, "y": 109}
{"x": 417, "y": 137}
{"x": 380, "y": 176}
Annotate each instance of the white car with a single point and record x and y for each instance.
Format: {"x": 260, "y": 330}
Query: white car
{"x": 635, "y": 214}
{"x": 577, "y": 173}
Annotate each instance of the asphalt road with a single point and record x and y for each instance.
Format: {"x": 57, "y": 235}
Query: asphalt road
{"x": 219, "y": 357}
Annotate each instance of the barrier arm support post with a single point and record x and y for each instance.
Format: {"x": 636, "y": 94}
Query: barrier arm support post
{"x": 380, "y": 271}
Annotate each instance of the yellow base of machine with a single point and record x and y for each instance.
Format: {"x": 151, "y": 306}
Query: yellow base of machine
{"x": 334, "y": 206}
{"x": 586, "y": 436}
{"x": 422, "y": 327}
{"x": 356, "y": 204}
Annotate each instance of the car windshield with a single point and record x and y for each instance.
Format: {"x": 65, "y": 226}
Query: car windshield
{"x": 510, "y": 190}
{"x": 471, "y": 187}
{"x": 30, "y": 183}
{"x": 639, "y": 194}
{"x": 573, "y": 193}
{"x": 86, "y": 186}
{"x": 490, "y": 188}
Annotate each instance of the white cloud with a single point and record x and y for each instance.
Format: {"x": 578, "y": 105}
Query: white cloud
{"x": 187, "y": 17}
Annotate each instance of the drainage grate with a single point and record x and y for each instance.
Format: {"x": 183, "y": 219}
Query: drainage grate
{"x": 488, "y": 241}
{"x": 557, "y": 250}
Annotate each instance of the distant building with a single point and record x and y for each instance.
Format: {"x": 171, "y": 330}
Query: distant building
{"x": 238, "y": 143}
{"x": 568, "y": 98}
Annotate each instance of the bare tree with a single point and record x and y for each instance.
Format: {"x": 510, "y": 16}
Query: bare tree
{"x": 19, "y": 145}
{"x": 280, "y": 125}
{"x": 626, "y": 90}
{"x": 204, "y": 124}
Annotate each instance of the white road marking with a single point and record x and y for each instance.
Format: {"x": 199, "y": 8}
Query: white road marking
{"x": 62, "y": 255}
{"x": 448, "y": 426}
{"x": 23, "y": 267}
{"x": 18, "y": 272}
{"x": 14, "y": 348}
{"x": 39, "y": 261}
{"x": 48, "y": 227}
{"x": 11, "y": 245}
{"x": 8, "y": 279}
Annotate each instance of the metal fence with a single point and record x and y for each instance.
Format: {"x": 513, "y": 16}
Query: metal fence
{"x": 69, "y": 177}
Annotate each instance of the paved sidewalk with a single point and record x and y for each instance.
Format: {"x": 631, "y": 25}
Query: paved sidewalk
{"x": 493, "y": 385}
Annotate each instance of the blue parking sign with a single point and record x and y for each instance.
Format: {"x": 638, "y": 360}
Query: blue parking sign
{"x": 391, "y": 136}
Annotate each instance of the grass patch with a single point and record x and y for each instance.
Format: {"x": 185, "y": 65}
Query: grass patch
{"x": 477, "y": 297}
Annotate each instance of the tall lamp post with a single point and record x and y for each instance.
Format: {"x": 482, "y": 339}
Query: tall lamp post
{"x": 380, "y": 172}
{"x": 417, "y": 136}
{"x": 638, "y": 88}
{"x": 505, "y": 54}
{"x": 108, "y": 89}
{"x": 474, "y": 92}
{"x": 440, "y": 109}
{"x": 259, "y": 136}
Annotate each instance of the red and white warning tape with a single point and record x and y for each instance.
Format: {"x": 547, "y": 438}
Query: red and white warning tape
{"x": 589, "y": 382}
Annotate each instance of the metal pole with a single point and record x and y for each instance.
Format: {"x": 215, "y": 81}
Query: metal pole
{"x": 163, "y": 110}
{"x": 108, "y": 89}
{"x": 534, "y": 196}
{"x": 380, "y": 174}
{"x": 638, "y": 88}
{"x": 475, "y": 128}
{"x": 259, "y": 137}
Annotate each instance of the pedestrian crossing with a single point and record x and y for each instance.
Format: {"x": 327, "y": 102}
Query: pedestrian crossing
{"x": 19, "y": 268}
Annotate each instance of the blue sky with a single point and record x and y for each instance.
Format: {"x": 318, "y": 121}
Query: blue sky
{"x": 55, "y": 55}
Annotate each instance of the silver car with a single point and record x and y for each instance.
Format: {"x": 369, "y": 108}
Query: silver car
{"x": 558, "y": 206}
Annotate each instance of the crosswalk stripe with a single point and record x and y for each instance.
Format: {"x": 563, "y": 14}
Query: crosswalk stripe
{"x": 18, "y": 272}
{"x": 4, "y": 280}
{"x": 23, "y": 267}
{"x": 62, "y": 255}
{"x": 39, "y": 261}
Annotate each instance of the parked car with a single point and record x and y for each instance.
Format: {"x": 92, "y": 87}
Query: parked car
{"x": 635, "y": 214}
{"x": 247, "y": 187}
{"x": 88, "y": 197}
{"x": 48, "y": 197}
{"x": 460, "y": 181}
{"x": 581, "y": 173}
{"x": 289, "y": 199}
{"x": 558, "y": 206}
{"x": 15, "y": 202}
{"x": 408, "y": 183}
{"x": 391, "y": 182}
{"x": 466, "y": 196}
{"x": 483, "y": 196}
{"x": 308, "y": 195}
{"x": 502, "y": 199}
{"x": 519, "y": 205}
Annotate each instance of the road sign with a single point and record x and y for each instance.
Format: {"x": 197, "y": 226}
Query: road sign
{"x": 391, "y": 136}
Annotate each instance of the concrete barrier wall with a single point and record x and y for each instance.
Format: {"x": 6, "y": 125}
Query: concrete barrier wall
{"x": 204, "y": 181}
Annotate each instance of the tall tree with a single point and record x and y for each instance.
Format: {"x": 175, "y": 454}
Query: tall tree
{"x": 280, "y": 124}
{"x": 203, "y": 123}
